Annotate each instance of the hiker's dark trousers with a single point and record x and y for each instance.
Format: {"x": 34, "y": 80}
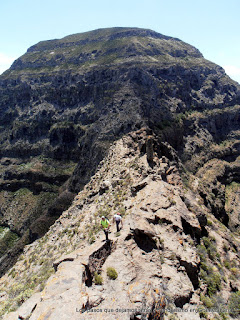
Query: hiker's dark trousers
{"x": 106, "y": 233}
{"x": 117, "y": 225}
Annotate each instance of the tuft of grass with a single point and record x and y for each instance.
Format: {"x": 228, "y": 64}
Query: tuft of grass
{"x": 112, "y": 273}
{"x": 98, "y": 279}
{"x": 209, "y": 223}
{"x": 12, "y": 273}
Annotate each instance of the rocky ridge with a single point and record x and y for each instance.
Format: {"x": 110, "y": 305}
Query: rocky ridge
{"x": 171, "y": 246}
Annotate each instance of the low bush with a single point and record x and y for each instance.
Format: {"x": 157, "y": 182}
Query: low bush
{"x": 210, "y": 245}
{"x": 207, "y": 301}
{"x": 202, "y": 252}
{"x": 211, "y": 278}
{"x": 98, "y": 279}
{"x": 112, "y": 273}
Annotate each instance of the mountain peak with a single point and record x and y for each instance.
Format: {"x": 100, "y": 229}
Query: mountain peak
{"x": 106, "y": 34}
{"x": 103, "y": 46}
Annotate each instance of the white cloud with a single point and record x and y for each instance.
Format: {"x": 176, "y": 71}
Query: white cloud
{"x": 5, "y": 62}
{"x": 233, "y": 72}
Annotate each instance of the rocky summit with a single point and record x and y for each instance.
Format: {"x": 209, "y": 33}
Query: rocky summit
{"x": 119, "y": 120}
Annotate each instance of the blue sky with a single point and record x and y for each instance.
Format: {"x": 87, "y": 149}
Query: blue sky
{"x": 213, "y": 26}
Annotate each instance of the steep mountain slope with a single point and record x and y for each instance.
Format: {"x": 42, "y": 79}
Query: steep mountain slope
{"x": 65, "y": 102}
{"x": 171, "y": 248}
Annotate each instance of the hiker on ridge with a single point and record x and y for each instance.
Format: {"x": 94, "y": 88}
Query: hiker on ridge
{"x": 118, "y": 219}
{"x": 105, "y": 225}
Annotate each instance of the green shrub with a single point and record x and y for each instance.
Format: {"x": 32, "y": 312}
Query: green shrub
{"x": 98, "y": 279}
{"x": 206, "y": 267}
{"x": 23, "y": 296}
{"x": 209, "y": 223}
{"x": 227, "y": 264}
{"x": 208, "y": 249}
{"x": 112, "y": 273}
{"x": 13, "y": 273}
{"x": 211, "y": 248}
{"x": 214, "y": 283}
{"x": 202, "y": 252}
{"x": 207, "y": 301}
{"x": 234, "y": 304}
{"x": 211, "y": 278}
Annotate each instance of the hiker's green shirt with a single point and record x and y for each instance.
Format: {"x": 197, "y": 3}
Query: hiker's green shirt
{"x": 105, "y": 223}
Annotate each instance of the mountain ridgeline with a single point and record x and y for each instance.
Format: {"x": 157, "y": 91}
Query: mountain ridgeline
{"x": 65, "y": 102}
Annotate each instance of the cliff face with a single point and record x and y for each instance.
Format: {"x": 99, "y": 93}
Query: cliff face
{"x": 63, "y": 96}
{"x": 65, "y": 102}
